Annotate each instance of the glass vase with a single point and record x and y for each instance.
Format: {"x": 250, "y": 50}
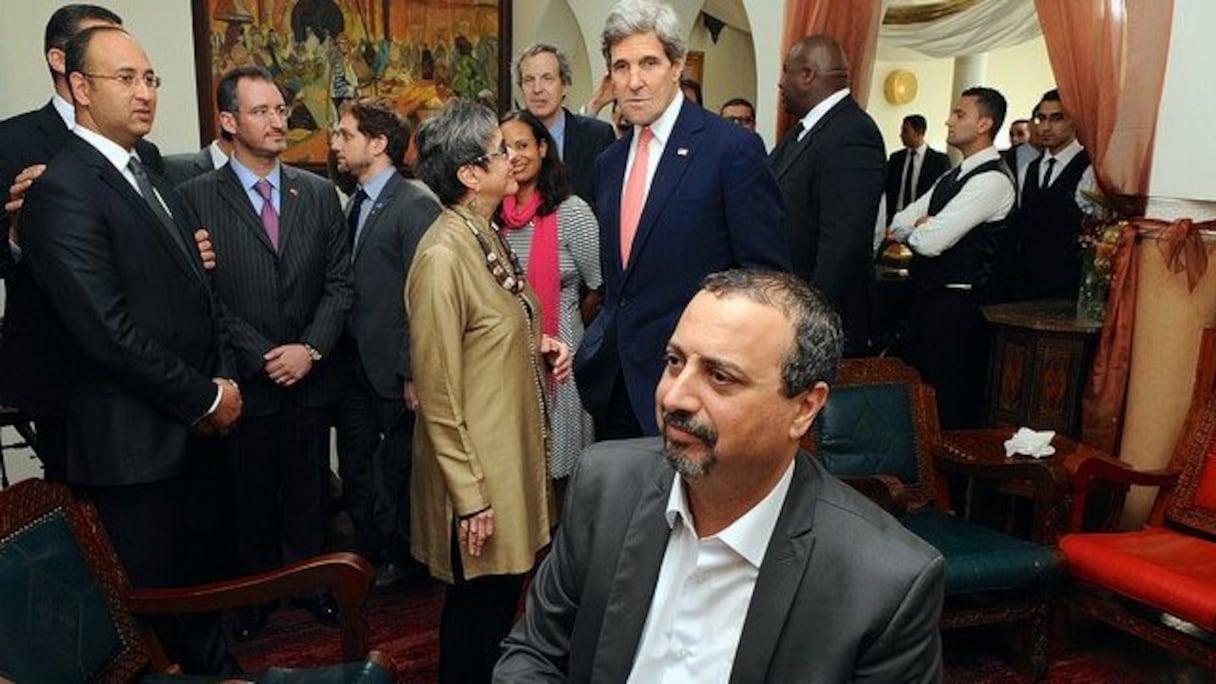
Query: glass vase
{"x": 1095, "y": 287}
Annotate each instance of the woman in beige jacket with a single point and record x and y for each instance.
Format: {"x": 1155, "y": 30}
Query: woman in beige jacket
{"x": 479, "y": 508}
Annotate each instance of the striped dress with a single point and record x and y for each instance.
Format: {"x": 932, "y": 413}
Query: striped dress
{"x": 579, "y": 263}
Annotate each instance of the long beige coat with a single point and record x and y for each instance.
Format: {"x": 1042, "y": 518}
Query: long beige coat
{"x": 479, "y": 440}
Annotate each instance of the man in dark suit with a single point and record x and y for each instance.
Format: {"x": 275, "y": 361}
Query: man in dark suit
{"x": 722, "y": 549}
{"x": 31, "y": 367}
{"x": 830, "y": 167}
{"x": 912, "y": 170}
{"x": 544, "y": 75}
{"x": 134, "y": 320}
{"x": 686, "y": 194}
{"x": 180, "y": 168}
{"x": 386, "y": 218}
{"x": 283, "y": 273}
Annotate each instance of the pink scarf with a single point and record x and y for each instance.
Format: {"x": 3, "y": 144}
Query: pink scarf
{"x": 543, "y": 273}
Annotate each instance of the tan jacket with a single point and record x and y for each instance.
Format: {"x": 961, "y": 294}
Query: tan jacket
{"x": 479, "y": 440}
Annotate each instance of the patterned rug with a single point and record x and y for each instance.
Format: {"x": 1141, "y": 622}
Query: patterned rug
{"x": 404, "y": 624}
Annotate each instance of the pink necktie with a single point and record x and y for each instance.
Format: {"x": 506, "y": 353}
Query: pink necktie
{"x": 635, "y": 195}
{"x": 270, "y": 217}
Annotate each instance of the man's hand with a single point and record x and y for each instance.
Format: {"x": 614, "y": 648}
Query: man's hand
{"x": 557, "y": 355}
{"x": 202, "y": 239}
{"x": 476, "y": 530}
{"x": 921, "y": 220}
{"x": 288, "y": 364}
{"x": 410, "y": 395}
{"x": 221, "y": 421}
{"x": 16, "y": 197}
{"x": 604, "y": 95}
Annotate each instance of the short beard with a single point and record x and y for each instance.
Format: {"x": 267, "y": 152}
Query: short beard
{"x": 675, "y": 454}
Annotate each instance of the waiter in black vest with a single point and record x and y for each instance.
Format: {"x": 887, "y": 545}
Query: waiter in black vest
{"x": 1048, "y": 218}
{"x": 953, "y": 233}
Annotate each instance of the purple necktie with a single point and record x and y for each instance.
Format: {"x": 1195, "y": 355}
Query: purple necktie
{"x": 270, "y": 217}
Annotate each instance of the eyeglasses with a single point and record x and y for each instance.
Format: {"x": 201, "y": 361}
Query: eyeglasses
{"x": 741, "y": 120}
{"x": 502, "y": 151}
{"x": 266, "y": 111}
{"x": 128, "y": 79}
{"x": 1053, "y": 117}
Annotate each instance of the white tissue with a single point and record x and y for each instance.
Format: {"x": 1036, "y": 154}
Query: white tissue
{"x": 1028, "y": 442}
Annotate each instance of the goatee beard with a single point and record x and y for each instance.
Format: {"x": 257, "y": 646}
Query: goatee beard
{"x": 676, "y": 454}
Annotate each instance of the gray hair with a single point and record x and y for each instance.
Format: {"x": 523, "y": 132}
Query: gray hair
{"x": 563, "y": 62}
{"x": 631, "y": 17}
{"x": 818, "y": 339}
{"x": 458, "y": 136}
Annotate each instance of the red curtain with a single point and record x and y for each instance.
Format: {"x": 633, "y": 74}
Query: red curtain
{"x": 853, "y": 23}
{"x": 1109, "y": 60}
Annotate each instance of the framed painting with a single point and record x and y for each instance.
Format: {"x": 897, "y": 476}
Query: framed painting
{"x": 416, "y": 53}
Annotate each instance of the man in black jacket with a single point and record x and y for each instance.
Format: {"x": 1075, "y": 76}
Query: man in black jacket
{"x": 912, "y": 170}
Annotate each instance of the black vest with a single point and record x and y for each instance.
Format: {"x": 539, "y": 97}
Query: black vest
{"x": 1048, "y": 225}
{"x": 969, "y": 261}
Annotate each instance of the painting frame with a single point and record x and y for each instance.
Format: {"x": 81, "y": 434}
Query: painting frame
{"x": 223, "y": 28}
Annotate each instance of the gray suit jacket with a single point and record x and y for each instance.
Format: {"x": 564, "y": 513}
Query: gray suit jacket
{"x": 301, "y": 294}
{"x": 844, "y": 592}
{"x": 382, "y": 256}
{"x": 180, "y": 168}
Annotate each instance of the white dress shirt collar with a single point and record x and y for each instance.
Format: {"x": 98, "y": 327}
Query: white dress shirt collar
{"x": 748, "y": 535}
{"x": 66, "y": 110}
{"x": 1063, "y": 157}
{"x": 113, "y": 152}
{"x": 985, "y": 155}
{"x": 662, "y": 126}
{"x": 218, "y": 156}
{"x": 818, "y": 111}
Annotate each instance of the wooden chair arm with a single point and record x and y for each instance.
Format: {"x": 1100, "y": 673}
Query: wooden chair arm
{"x": 885, "y": 490}
{"x": 1098, "y": 467}
{"x": 347, "y": 576}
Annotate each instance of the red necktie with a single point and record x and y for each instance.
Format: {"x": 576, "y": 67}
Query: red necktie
{"x": 635, "y": 194}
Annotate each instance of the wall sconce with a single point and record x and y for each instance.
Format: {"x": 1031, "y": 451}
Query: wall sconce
{"x": 899, "y": 88}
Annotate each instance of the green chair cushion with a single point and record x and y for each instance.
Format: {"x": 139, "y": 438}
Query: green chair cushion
{"x": 981, "y": 559}
{"x": 868, "y": 430}
{"x": 55, "y": 625}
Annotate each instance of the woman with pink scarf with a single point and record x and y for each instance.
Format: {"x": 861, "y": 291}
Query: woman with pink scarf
{"x": 556, "y": 237}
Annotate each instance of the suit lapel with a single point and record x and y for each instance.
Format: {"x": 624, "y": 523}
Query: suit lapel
{"x": 808, "y": 141}
{"x": 377, "y": 210}
{"x": 678, "y": 154}
{"x": 572, "y": 137}
{"x": 781, "y": 573}
{"x": 633, "y": 583}
{"x": 121, "y": 188}
{"x": 234, "y": 195}
{"x": 608, "y": 204}
{"x": 289, "y": 205}
{"x": 54, "y": 131}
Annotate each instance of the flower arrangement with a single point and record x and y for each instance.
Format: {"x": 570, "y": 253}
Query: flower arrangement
{"x": 1101, "y": 226}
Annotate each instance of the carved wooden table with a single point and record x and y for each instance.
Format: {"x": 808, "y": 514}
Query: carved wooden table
{"x": 1038, "y": 364}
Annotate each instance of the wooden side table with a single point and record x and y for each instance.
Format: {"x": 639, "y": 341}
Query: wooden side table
{"x": 1038, "y": 364}
{"x": 1047, "y": 481}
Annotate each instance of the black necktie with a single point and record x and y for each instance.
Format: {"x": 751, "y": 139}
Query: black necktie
{"x": 1051, "y": 167}
{"x": 783, "y": 147}
{"x": 149, "y": 194}
{"x": 352, "y": 219}
{"x": 907, "y": 197}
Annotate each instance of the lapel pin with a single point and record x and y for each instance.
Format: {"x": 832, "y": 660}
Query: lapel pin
{"x": 293, "y": 192}
{"x": 682, "y": 152}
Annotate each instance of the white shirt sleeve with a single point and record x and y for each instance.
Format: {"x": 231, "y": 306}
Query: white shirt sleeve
{"x": 986, "y": 197}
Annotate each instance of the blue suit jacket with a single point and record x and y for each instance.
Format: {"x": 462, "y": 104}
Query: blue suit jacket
{"x": 713, "y": 205}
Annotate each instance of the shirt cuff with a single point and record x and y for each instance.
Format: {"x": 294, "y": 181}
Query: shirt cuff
{"x": 219, "y": 394}
{"x": 15, "y": 249}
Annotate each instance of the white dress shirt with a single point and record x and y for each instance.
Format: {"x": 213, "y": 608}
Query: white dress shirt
{"x": 704, "y": 587}
{"x": 1063, "y": 158}
{"x": 818, "y": 111}
{"x": 661, "y": 130}
{"x": 918, "y": 160}
{"x": 986, "y": 197}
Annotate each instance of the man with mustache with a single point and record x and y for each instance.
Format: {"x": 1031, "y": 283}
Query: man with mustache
{"x": 720, "y": 550}
{"x": 284, "y": 279}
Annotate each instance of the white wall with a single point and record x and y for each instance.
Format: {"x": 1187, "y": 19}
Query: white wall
{"x": 1184, "y": 161}
{"x": 730, "y": 64}
{"x": 1022, "y": 73}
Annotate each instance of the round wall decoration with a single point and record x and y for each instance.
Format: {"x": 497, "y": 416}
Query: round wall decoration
{"x": 900, "y": 87}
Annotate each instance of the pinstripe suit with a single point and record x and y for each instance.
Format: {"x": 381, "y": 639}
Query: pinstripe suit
{"x": 301, "y": 294}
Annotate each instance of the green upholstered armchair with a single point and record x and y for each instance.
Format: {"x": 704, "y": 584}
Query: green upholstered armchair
{"x": 881, "y": 421}
{"x": 67, "y": 613}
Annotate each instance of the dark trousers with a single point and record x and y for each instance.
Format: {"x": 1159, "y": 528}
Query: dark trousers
{"x": 146, "y": 525}
{"x": 477, "y": 616}
{"x": 277, "y": 486}
{"x": 948, "y": 344}
{"x": 374, "y": 454}
{"x": 52, "y": 447}
{"x": 618, "y": 420}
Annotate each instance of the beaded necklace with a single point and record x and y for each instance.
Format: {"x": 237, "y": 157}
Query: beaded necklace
{"x": 506, "y": 274}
